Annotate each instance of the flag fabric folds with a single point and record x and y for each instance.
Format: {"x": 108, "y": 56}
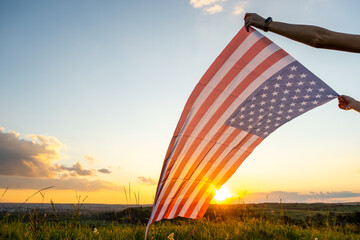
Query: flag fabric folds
{"x": 251, "y": 89}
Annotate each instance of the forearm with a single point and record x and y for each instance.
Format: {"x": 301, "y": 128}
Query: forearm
{"x": 311, "y": 35}
{"x": 356, "y": 106}
{"x": 317, "y": 37}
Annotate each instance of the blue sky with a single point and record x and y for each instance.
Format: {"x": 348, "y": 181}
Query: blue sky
{"x": 108, "y": 81}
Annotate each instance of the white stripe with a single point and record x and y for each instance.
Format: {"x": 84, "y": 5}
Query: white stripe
{"x": 222, "y": 173}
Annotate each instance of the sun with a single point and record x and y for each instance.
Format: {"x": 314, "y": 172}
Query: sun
{"x": 222, "y": 194}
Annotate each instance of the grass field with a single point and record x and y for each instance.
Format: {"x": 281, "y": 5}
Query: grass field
{"x": 252, "y": 221}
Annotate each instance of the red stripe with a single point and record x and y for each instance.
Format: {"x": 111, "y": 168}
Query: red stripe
{"x": 250, "y": 54}
{"x": 276, "y": 56}
{"x": 209, "y": 74}
{"x": 227, "y": 175}
{"x": 195, "y": 166}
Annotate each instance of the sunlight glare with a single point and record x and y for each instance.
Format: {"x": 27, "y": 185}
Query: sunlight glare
{"x": 222, "y": 194}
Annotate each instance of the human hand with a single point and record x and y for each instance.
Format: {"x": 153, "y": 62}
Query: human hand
{"x": 252, "y": 19}
{"x": 346, "y": 102}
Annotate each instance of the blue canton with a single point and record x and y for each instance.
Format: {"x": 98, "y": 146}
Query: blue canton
{"x": 287, "y": 94}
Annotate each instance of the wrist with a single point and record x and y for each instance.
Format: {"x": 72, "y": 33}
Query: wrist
{"x": 266, "y": 24}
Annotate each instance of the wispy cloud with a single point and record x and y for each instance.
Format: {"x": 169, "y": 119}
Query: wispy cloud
{"x": 77, "y": 169}
{"x": 208, "y": 6}
{"x": 213, "y": 9}
{"x": 90, "y": 159}
{"x": 202, "y": 3}
{"x": 104, "y": 170}
{"x": 239, "y": 8}
{"x": 147, "y": 181}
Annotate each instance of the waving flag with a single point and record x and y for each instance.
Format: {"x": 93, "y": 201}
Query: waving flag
{"x": 250, "y": 90}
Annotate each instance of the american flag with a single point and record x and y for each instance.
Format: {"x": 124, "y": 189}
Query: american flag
{"x": 251, "y": 89}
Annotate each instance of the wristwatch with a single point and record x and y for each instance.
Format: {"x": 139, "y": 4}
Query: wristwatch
{"x": 267, "y": 22}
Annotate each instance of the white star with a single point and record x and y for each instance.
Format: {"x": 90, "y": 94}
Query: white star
{"x": 272, "y": 100}
{"x": 292, "y": 104}
{"x": 303, "y": 75}
{"x": 241, "y": 116}
{"x": 275, "y": 93}
{"x": 258, "y": 124}
{"x": 267, "y": 127}
{"x": 293, "y": 68}
{"x": 253, "y": 98}
{"x": 265, "y": 88}
{"x": 260, "y": 117}
{"x": 268, "y": 121}
{"x": 258, "y": 130}
{"x": 291, "y": 76}
{"x": 232, "y": 120}
{"x": 290, "y": 110}
{"x": 309, "y": 90}
{"x": 270, "y": 114}
{"x": 261, "y": 110}
{"x": 281, "y": 105}
{"x": 303, "y": 103}
{"x": 306, "y": 96}
{"x": 330, "y": 96}
{"x": 279, "y": 77}
{"x": 242, "y": 109}
{"x": 286, "y": 91}
{"x": 312, "y": 82}
{"x": 318, "y": 96}
{"x": 271, "y": 107}
{"x": 315, "y": 102}
{"x": 262, "y": 103}
{"x": 288, "y": 84}
{"x": 295, "y": 97}
{"x": 251, "y": 113}
{"x": 300, "y": 83}
{"x": 263, "y": 95}
{"x": 301, "y": 109}
{"x": 250, "y": 126}
{"x": 276, "y": 124}
{"x": 252, "y": 106}
{"x": 251, "y": 119}
{"x": 283, "y": 99}
{"x": 321, "y": 89}
{"x": 278, "y": 118}
{"x": 288, "y": 117}
{"x": 276, "y": 85}
{"x": 298, "y": 90}
{"x": 280, "y": 112}
{"x": 266, "y": 133}
{"x": 241, "y": 123}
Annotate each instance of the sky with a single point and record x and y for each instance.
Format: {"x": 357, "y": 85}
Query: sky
{"x": 91, "y": 92}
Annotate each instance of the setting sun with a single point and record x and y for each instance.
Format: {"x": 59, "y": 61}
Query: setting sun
{"x": 222, "y": 194}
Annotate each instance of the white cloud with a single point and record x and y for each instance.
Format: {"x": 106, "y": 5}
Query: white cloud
{"x": 239, "y": 8}
{"x": 213, "y": 9}
{"x": 202, "y": 3}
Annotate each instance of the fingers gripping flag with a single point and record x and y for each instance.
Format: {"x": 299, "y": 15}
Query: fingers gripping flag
{"x": 251, "y": 89}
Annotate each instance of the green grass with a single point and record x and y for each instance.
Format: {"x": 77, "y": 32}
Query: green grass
{"x": 182, "y": 229}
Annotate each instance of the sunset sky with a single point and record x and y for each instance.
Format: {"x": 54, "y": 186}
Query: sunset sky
{"x": 91, "y": 92}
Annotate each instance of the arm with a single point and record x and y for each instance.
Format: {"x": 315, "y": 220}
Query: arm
{"x": 311, "y": 35}
{"x": 347, "y": 103}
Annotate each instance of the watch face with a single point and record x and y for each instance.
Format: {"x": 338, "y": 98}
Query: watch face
{"x": 268, "y": 19}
